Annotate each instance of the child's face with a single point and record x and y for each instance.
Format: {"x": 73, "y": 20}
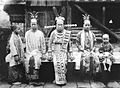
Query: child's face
{"x": 105, "y": 39}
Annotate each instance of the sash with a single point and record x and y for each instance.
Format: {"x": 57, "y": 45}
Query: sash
{"x": 83, "y": 39}
{"x": 66, "y": 39}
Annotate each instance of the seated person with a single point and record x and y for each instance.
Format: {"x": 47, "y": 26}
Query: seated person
{"x": 106, "y": 52}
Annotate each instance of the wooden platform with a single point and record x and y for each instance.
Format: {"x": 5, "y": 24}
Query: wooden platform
{"x": 88, "y": 84}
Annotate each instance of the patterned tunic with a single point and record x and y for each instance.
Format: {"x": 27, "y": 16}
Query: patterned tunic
{"x": 89, "y": 62}
{"x": 85, "y": 40}
{"x": 58, "y": 44}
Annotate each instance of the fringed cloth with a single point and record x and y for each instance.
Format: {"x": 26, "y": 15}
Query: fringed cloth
{"x": 90, "y": 63}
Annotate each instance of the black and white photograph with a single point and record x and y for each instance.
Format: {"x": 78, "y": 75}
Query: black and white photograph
{"x": 59, "y": 43}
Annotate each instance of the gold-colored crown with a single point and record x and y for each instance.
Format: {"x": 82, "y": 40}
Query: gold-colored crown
{"x": 34, "y": 14}
{"x": 60, "y": 18}
{"x": 86, "y": 16}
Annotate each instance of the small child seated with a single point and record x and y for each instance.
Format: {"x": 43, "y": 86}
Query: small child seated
{"x": 106, "y": 52}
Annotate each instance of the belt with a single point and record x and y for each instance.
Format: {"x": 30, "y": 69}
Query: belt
{"x": 58, "y": 43}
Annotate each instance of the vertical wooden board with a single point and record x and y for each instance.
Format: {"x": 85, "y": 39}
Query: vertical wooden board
{"x": 70, "y": 85}
{"x": 83, "y": 85}
{"x": 97, "y": 85}
{"x": 51, "y": 85}
{"x": 113, "y": 84}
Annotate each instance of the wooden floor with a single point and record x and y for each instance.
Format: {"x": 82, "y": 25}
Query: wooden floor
{"x": 87, "y": 84}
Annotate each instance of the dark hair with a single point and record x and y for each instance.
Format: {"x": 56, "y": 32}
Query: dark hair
{"x": 13, "y": 28}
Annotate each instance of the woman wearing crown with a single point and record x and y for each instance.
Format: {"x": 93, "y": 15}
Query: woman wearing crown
{"x": 85, "y": 43}
{"x": 59, "y": 46}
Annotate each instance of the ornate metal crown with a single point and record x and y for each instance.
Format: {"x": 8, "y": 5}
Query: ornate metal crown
{"x": 86, "y": 16}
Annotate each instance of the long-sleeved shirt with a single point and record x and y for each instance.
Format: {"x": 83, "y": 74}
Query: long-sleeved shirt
{"x": 35, "y": 40}
{"x": 16, "y": 48}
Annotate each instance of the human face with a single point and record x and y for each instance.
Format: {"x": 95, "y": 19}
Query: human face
{"x": 34, "y": 25}
{"x": 60, "y": 27}
{"x": 87, "y": 27}
{"x": 105, "y": 40}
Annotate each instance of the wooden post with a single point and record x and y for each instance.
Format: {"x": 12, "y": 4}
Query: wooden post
{"x": 68, "y": 13}
{"x": 103, "y": 9}
{"x": 25, "y": 20}
{"x": 69, "y": 16}
{"x": 26, "y": 15}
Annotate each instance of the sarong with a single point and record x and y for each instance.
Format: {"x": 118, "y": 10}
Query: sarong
{"x": 60, "y": 61}
{"x": 90, "y": 63}
{"x": 16, "y": 73}
{"x": 32, "y": 74}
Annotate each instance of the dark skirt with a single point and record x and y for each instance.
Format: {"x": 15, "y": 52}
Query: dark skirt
{"x": 90, "y": 68}
{"x": 33, "y": 74}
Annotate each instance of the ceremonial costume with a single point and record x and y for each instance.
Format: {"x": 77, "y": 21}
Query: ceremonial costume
{"x": 85, "y": 43}
{"x": 35, "y": 48}
{"x": 58, "y": 46}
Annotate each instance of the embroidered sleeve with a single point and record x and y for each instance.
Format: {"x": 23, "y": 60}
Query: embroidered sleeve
{"x": 78, "y": 41}
{"x": 70, "y": 49}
